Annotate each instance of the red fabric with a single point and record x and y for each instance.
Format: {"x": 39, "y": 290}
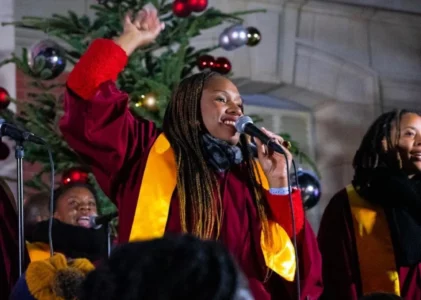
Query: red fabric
{"x": 116, "y": 145}
{"x": 9, "y": 248}
{"x": 341, "y": 275}
{"x": 281, "y": 211}
{"x": 80, "y": 80}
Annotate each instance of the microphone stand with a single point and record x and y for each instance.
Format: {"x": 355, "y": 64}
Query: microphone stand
{"x": 104, "y": 223}
{"x": 20, "y": 136}
{"x": 19, "y": 154}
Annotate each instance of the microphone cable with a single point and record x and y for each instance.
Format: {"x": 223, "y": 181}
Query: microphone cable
{"x": 294, "y": 229}
{"x": 292, "y": 213}
{"x": 50, "y": 217}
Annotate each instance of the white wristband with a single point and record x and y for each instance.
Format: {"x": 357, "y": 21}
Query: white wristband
{"x": 279, "y": 191}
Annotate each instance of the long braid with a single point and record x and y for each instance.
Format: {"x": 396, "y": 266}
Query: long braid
{"x": 398, "y": 134}
{"x": 197, "y": 187}
{"x": 196, "y": 184}
{"x": 254, "y": 182}
{"x": 257, "y": 191}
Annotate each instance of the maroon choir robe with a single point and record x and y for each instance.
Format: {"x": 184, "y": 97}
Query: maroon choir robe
{"x": 341, "y": 274}
{"x": 98, "y": 125}
{"x": 9, "y": 246}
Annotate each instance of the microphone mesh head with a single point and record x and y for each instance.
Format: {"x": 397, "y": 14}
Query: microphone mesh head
{"x": 242, "y": 122}
{"x": 92, "y": 221}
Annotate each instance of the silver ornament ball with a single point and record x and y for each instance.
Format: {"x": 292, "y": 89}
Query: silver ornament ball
{"x": 225, "y": 42}
{"x": 47, "y": 59}
{"x": 233, "y": 37}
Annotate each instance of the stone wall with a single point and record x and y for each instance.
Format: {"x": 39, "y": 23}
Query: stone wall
{"x": 343, "y": 63}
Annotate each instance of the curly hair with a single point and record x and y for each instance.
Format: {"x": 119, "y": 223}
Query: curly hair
{"x": 172, "y": 267}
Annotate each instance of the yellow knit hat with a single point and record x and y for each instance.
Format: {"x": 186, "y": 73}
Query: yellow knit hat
{"x": 56, "y": 277}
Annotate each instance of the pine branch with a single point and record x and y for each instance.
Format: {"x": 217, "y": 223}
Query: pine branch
{"x": 42, "y": 86}
{"x": 156, "y": 69}
{"x": 298, "y": 154}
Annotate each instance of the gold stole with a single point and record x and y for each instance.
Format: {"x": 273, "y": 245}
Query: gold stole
{"x": 374, "y": 246}
{"x": 38, "y": 251}
{"x": 153, "y": 204}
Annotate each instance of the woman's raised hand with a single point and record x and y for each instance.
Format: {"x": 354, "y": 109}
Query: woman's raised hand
{"x": 140, "y": 31}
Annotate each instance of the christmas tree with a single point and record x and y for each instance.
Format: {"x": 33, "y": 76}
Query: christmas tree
{"x": 149, "y": 77}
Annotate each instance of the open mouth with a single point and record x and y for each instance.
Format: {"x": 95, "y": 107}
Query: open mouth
{"x": 84, "y": 221}
{"x": 416, "y": 156}
{"x": 229, "y": 123}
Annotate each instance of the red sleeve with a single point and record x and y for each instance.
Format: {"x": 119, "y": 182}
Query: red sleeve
{"x": 281, "y": 212}
{"x": 309, "y": 259}
{"x": 9, "y": 254}
{"x": 310, "y": 266}
{"x": 102, "y": 130}
{"x": 103, "y": 61}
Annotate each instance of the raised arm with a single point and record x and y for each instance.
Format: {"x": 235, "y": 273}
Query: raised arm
{"x": 97, "y": 123}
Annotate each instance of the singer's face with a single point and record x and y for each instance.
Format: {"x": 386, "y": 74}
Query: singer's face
{"x": 75, "y": 206}
{"x": 221, "y": 105}
{"x": 409, "y": 142}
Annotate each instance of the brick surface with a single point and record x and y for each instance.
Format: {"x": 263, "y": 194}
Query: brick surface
{"x": 23, "y": 87}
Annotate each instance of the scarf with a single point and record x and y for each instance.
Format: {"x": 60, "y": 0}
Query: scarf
{"x": 73, "y": 241}
{"x": 220, "y": 154}
{"x": 400, "y": 198}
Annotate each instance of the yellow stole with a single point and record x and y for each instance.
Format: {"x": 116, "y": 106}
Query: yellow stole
{"x": 38, "y": 251}
{"x": 374, "y": 246}
{"x": 153, "y": 204}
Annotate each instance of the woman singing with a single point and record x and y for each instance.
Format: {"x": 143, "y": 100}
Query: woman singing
{"x": 370, "y": 234}
{"x": 197, "y": 175}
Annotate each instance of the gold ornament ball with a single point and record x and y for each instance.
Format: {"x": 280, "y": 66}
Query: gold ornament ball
{"x": 139, "y": 102}
{"x": 253, "y": 36}
{"x": 150, "y": 101}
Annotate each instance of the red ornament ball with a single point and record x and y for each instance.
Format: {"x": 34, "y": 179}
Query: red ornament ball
{"x": 197, "y": 5}
{"x": 74, "y": 175}
{"x": 222, "y": 65}
{"x": 4, "y": 98}
{"x": 4, "y": 151}
{"x": 180, "y": 8}
{"x": 205, "y": 62}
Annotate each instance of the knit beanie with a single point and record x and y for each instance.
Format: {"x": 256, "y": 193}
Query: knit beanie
{"x": 56, "y": 278}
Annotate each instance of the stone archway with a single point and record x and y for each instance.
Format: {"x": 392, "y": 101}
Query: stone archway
{"x": 341, "y": 109}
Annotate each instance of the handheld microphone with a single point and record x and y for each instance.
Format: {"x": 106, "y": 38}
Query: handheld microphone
{"x": 245, "y": 125}
{"x": 97, "y": 221}
{"x": 18, "y": 134}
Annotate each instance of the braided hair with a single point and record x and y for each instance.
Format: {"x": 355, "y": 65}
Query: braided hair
{"x": 197, "y": 187}
{"x": 378, "y": 148}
